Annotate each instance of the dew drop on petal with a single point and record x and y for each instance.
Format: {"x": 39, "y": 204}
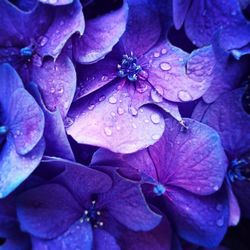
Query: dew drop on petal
{"x": 42, "y": 40}
{"x": 112, "y": 100}
{"x": 184, "y": 96}
{"x": 91, "y": 107}
{"x": 156, "y": 54}
{"x": 155, "y": 118}
{"x": 108, "y": 131}
{"x": 156, "y": 97}
{"x": 102, "y": 98}
{"x": 156, "y": 137}
{"x": 165, "y": 66}
{"x": 120, "y": 110}
{"x": 164, "y": 51}
{"x": 220, "y": 222}
{"x": 133, "y": 111}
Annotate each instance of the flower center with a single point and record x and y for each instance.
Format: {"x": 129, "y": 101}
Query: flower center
{"x": 92, "y": 215}
{"x": 26, "y": 52}
{"x": 159, "y": 189}
{"x": 129, "y": 67}
{"x": 239, "y": 169}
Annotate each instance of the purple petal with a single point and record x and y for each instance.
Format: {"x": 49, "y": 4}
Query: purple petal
{"x": 116, "y": 124}
{"x": 26, "y": 121}
{"x": 19, "y": 241}
{"x": 47, "y": 216}
{"x": 67, "y": 21}
{"x": 78, "y": 236}
{"x": 193, "y": 159}
{"x": 57, "y": 82}
{"x": 57, "y": 143}
{"x": 126, "y": 203}
{"x": 180, "y": 76}
{"x": 143, "y": 27}
{"x": 157, "y": 239}
{"x": 104, "y": 241}
{"x": 15, "y": 168}
{"x": 10, "y": 82}
{"x": 234, "y": 216}
{"x": 227, "y": 116}
{"x": 33, "y": 24}
{"x": 80, "y": 180}
{"x": 56, "y": 2}
{"x": 226, "y": 76}
{"x": 180, "y": 9}
{"x": 203, "y": 20}
{"x": 201, "y": 220}
{"x": 242, "y": 192}
{"x": 94, "y": 76}
{"x": 100, "y": 35}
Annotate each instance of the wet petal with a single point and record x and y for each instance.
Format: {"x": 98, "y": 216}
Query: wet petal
{"x": 26, "y": 121}
{"x": 203, "y": 20}
{"x": 227, "y": 116}
{"x": 80, "y": 180}
{"x": 100, "y": 35}
{"x": 201, "y": 220}
{"x": 67, "y": 21}
{"x": 234, "y": 209}
{"x": 104, "y": 241}
{"x": 158, "y": 238}
{"x": 143, "y": 27}
{"x": 107, "y": 119}
{"x": 126, "y": 203}
{"x": 78, "y": 236}
{"x": 18, "y": 27}
{"x": 94, "y": 76}
{"x": 180, "y": 9}
{"x": 47, "y": 216}
{"x": 180, "y": 76}
{"x": 241, "y": 190}
{"x": 15, "y": 168}
{"x": 57, "y": 83}
{"x": 10, "y": 82}
{"x": 56, "y": 2}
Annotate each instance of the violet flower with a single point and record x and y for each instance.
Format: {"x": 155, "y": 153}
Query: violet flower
{"x": 84, "y": 209}
{"x": 188, "y": 168}
{"x": 140, "y": 70}
{"x": 228, "y": 117}
{"x": 203, "y": 19}
{"x": 21, "y": 131}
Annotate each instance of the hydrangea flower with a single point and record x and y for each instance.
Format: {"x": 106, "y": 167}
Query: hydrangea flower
{"x": 140, "y": 70}
{"x": 188, "y": 168}
{"x": 21, "y": 131}
{"x": 228, "y": 117}
{"x": 202, "y": 20}
{"x": 84, "y": 209}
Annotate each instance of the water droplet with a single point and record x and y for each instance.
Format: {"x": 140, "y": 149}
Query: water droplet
{"x": 112, "y": 100}
{"x": 60, "y": 90}
{"x": 234, "y": 13}
{"x": 52, "y": 90}
{"x": 155, "y": 118}
{"x": 156, "y": 97}
{"x": 134, "y": 125}
{"x": 219, "y": 207}
{"x": 164, "y": 51}
{"x": 216, "y": 188}
{"x": 156, "y": 54}
{"x": 184, "y": 96}
{"x": 120, "y": 110}
{"x": 102, "y": 98}
{"x": 42, "y": 40}
{"x": 112, "y": 114}
{"x": 18, "y": 132}
{"x": 165, "y": 66}
{"x": 104, "y": 78}
{"x": 108, "y": 131}
{"x": 68, "y": 121}
{"x": 91, "y": 107}
{"x": 146, "y": 121}
{"x": 220, "y": 222}
{"x": 118, "y": 127}
{"x": 156, "y": 137}
{"x": 133, "y": 111}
